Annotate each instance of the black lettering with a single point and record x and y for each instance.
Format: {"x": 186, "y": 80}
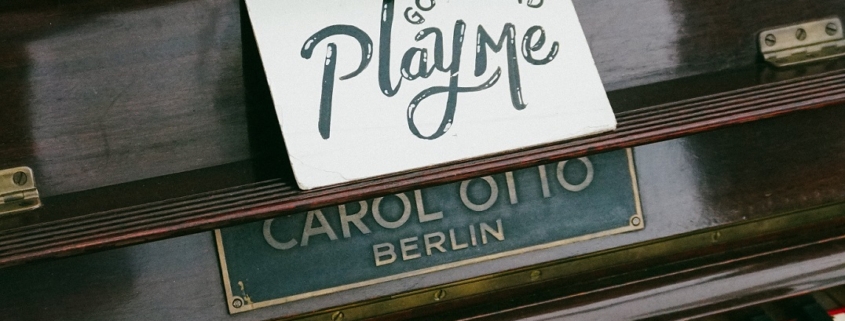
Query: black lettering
{"x": 384, "y": 51}
{"x": 415, "y": 62}
{"x": 430, "y": 6}
{"x": 533, "y": 3}
{"x": 438, "y": 48}
{"x": 452, "y": 90}
{"x": 421, "y": 56}
{"x": 506, "y": 39}
{"x": 415, "y": 18}
{"x": 528, "y": 48}
{"x": 324, "y": 123}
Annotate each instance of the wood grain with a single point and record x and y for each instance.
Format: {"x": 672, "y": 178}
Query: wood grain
{"x": 688, "y": 184}
{"x": 97, "y": 93}
{"x": 274, "y": 197}
{"x": 143, "y": 119}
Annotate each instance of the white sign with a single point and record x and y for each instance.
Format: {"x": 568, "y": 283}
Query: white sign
{"x": 367, "y": 88}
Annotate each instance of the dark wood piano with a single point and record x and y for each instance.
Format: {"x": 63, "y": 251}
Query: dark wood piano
{"x": 147, "y": 126}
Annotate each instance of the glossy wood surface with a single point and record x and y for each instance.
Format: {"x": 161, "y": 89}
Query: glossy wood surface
{"x": 268, "y": 198}
{"x": 96, "y": 93}
{"x": 690, "y": 291}
{"x": 126, "y": 93}
{"x": 688, "y": 184}
{"x": 159, "y": 98}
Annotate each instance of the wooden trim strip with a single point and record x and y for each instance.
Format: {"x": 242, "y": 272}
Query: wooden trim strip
{"x": 270, "y": 198}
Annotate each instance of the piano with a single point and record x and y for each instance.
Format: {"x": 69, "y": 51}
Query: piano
{"x": 148, "y": 131}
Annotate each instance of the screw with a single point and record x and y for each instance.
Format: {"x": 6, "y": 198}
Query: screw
{"x": 439, "y": 295}
{"x": 19, "y": 178}
{"x": 337, "y": 316}
{"x": 237, "y": 303}
{"x": 535, "y": 275}
{"x": 770, "y": 40}
{"x": 801, "y": 34}
{"x": 831, "y": 28}
{"x": 635, "y": 221}
{"x": 715, "y": 237}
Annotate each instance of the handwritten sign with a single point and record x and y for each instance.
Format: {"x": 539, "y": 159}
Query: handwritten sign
{"x": 406, "y": 235}
{"x": 368, "y": 88}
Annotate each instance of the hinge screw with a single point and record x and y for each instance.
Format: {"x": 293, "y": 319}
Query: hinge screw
{"x": 716, "y": 236}
{"x": 439, "y": 295}
{"x": 337, "y": 316}
{"x": 19, "y": 178}
{"x": 771, "y": 40}
{"x": 801, "y": 34}
{"x": 831, "y": 28}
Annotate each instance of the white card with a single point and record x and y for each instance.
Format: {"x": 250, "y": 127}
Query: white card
{"x": 368, "y": 88}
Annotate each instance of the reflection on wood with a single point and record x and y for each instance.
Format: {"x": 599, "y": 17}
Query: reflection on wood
{"x": 102, "y": 94}
{"x": 95, "y": 93}
{"x": 196, "y": 118}
{"x": 180, "y": 279}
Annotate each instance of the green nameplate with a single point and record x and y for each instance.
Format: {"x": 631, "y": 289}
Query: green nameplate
{"x": 364, "y": 243}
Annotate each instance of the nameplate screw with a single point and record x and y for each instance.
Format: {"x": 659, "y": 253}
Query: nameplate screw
{"x": 801, "y": 34}
{"x": 19, "y": 178}
{"x": 771, "y": 40}
{"x": 831, "y": 29}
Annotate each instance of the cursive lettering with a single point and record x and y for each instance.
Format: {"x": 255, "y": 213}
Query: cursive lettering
{"x": 416, "y": 62}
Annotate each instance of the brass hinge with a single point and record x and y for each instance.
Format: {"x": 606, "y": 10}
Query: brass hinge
{"x": 17, "y": 191}
{"x": 805, "y": 42}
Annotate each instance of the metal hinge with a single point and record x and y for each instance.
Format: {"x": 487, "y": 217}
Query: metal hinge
{"x": 17, "y": 191}
{"x": 806, "y": 42}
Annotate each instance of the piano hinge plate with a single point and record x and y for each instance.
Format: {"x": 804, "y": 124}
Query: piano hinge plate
{"x": 805, "y": 42}
{"x": 17, "y": 191}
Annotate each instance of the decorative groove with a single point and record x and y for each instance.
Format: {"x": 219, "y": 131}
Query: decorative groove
{"x": 270, "y": 198}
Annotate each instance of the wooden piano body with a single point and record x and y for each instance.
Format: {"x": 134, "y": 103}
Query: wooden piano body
{"x": 147, "y": 126}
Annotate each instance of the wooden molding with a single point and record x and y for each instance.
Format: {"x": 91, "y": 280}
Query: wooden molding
{"x": 269, "y": 198}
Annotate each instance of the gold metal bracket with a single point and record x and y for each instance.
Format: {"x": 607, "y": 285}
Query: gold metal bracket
{"x": 17, "y": 191}
{"x": 801, "y": 43}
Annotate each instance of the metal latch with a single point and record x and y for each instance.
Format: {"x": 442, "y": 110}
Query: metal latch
{"x": 17, "y": 191}
{"x": 806, "y": 42}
